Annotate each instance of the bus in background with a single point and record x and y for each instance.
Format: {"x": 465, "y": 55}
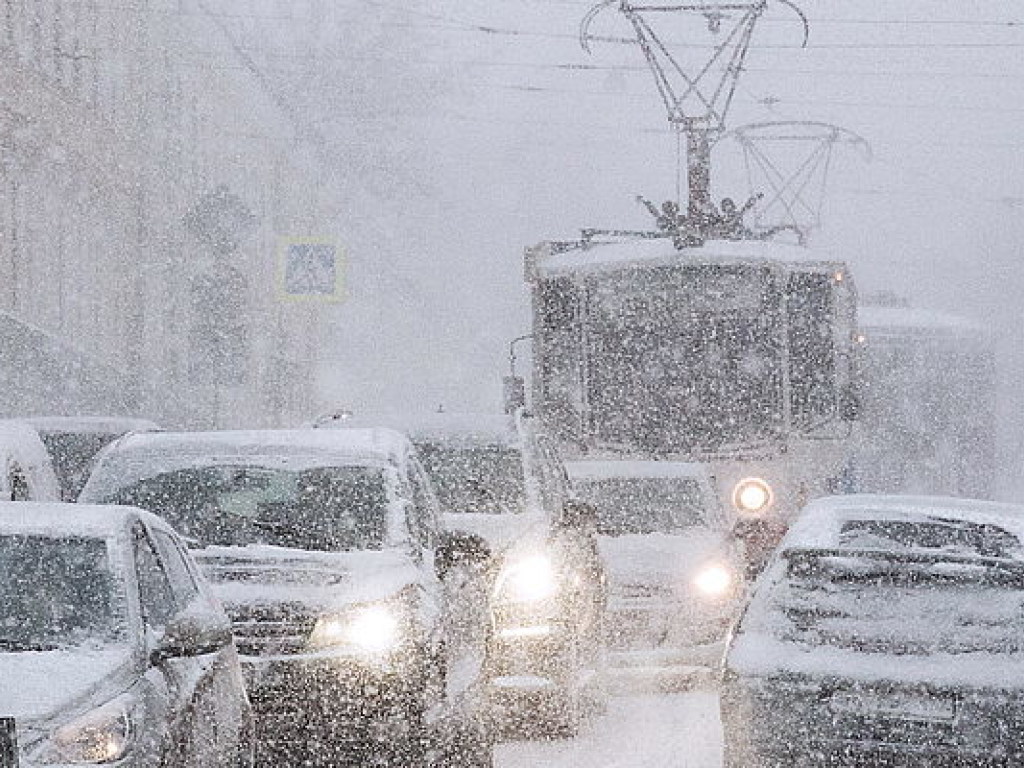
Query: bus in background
{"x": 928, "y": 417}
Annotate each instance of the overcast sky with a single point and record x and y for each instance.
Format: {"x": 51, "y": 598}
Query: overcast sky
{"x": 521, "y": 147}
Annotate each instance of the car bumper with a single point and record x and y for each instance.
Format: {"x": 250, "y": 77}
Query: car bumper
{"x": 666, "y": 634}
{"x": 799, "y": 725}
{"x": 529, "y": 659}
{"x": 334, "y": 701}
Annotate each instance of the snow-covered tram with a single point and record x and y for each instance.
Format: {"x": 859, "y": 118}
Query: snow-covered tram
{"x": 928, "y": 422}
{"x": 741, "y": 354}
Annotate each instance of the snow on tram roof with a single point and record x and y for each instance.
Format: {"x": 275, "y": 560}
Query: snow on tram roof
{"x": 607, "y": 254}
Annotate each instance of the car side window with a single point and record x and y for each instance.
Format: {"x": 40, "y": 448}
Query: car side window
{"x": 183, "y": 581}
{"x": 158, "y": 600}
{"x": 18, "y": 480}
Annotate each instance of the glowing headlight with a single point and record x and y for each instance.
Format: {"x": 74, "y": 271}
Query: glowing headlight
{"x": 713, "y": 580}
{"x": 100, "y": 736}
{"x": 370, "y": 629}
{"x": 529, "y": 580}
{"x": 752, "y": 495}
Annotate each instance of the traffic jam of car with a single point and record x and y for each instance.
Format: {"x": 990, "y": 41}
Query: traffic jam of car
{"x": 418, "y": 593}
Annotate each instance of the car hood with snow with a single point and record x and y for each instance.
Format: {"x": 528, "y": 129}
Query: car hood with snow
{"x": 668, "y": 562}
{"x": 85, "y": 675}
{"x": 317, "y": 580}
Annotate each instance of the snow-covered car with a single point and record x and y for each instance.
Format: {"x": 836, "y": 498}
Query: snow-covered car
{"x": 325, "y": 548}
{"x": 112, "y": 649}
{"x": 73, "y": 442}
{"x": 26, "y": 472}
{"x": 885, "y": 631}
{"x": 675, "y": 570}
{"x": 499, "y": 480}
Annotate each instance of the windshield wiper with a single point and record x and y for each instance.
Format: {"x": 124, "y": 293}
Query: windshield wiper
{"x": 17, "y": 646}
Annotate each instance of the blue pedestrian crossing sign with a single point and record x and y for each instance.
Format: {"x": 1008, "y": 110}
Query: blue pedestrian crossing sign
{"x": 311, "y": 270}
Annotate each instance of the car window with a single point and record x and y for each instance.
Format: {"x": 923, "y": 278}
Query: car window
{"x": 57, "y": 591}
{"x": 72, "y": 454}
{"x": 180, "y": 574}
{"x": 903, "y": 605}
{"x": 158, "y": 599}
{"x": 483, "y": 479}
{"x": 317, "y": 508}
{"x": 632, "y": 505}
{"x": 21, "y": 490}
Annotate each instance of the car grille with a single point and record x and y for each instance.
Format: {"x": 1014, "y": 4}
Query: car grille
{"x": 641, "y": 591}
{"x": 272, "y": 630}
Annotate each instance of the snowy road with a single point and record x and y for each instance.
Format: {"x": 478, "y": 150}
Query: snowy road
{"x": 678, "y": 730}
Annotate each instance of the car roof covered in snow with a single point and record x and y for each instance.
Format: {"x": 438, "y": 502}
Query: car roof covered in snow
{"x": 91, "y": 424}
{"x": 826, "y": 523}
{"x": 141, "y": 455}
{"x": 459, "y": 429}
{"x": 18, "y": 429}
{"x": 609, "y": 254}
{"x": 64, "y": 519}
{"x": 599, "y": 470}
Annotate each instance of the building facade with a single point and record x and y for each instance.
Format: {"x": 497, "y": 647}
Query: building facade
{"x": 148, "y": 173}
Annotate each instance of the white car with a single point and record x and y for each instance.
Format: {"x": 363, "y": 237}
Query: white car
{"x": 326, "y": 549}
{"x": 885, "y": 631}
{"x": 674, "y": 569}
{"x": 112, "y": 649}
{"x": 26, "y": 472}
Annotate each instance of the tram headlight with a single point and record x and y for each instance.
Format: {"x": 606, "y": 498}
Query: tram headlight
{"x": 752, "y": 496}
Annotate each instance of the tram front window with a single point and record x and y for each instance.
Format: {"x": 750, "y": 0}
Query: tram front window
{"x": 686, "y": 359}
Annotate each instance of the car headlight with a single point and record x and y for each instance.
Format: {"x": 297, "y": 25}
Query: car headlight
{"x": 371, "y": 629}
{"x": 103, "y": 735}
{"x": 529, "y": 580}
{"x": 752, "y": 495}
{"x": 714, "y": 580}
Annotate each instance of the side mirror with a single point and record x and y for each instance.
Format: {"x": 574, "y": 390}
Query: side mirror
{"x": 579, "y": 514}
{"x": 192, "y": 633}
{"x": 460, "y": 548}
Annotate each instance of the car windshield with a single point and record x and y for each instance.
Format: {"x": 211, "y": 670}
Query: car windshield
{"x": 875, "y": 602}
{"x": 483, "y": 479}
{"x": 320, "y": 508}
{"x": 72, "y": 454}
{"x": 647, "y": 505}
{"x": 57, "y": 591}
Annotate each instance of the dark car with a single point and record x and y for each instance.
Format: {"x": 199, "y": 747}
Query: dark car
{"x": 73, "y": 442}
{"x": 326, "y": 550}
{"x": 111, "y": 648}
{"x": 885, "y": 631}
{"x": 500, "y": 480}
